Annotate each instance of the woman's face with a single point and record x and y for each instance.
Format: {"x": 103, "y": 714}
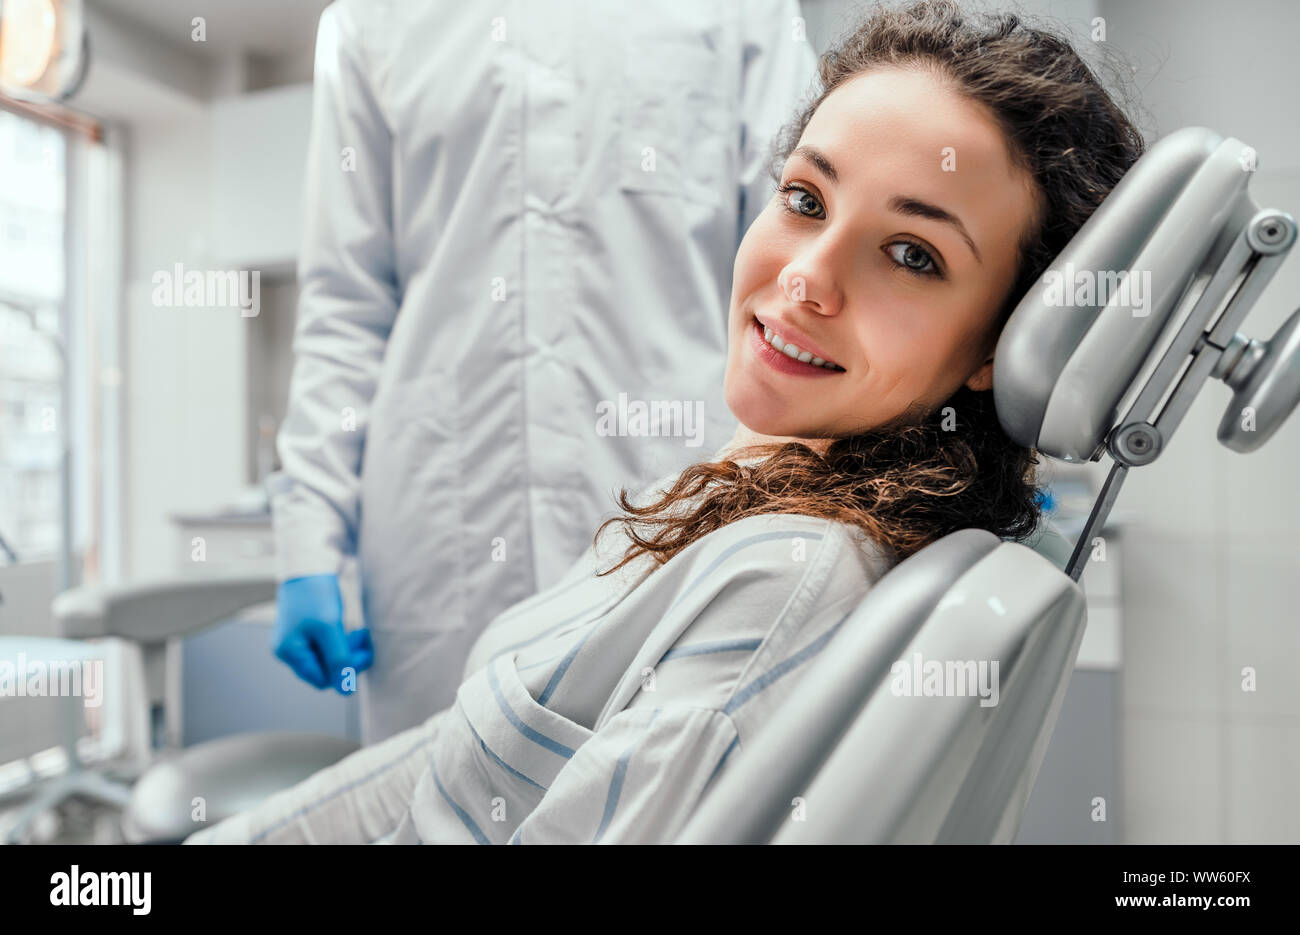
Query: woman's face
{"x": 850, "y": 265}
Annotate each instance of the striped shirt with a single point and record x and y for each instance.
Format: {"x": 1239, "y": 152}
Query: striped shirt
{"x": 600, "y": 709}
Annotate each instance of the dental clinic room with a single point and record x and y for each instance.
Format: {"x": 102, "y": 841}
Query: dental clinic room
{"x": 411, "y": 411}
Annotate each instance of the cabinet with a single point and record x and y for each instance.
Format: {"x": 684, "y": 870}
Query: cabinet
{"x": 259, "y": 145}
{"x": 1082, "y": 759}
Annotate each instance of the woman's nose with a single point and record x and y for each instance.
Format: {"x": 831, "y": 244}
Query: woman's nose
{"x": 810, "y": 282}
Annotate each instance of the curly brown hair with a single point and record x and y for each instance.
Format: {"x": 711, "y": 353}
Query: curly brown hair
{"x": 922, "y": 476}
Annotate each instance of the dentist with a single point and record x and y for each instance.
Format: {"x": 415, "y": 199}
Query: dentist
{"x": 512, "y": 219}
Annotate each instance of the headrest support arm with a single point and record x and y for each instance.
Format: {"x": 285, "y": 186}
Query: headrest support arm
{"x": 1265, "y": 375}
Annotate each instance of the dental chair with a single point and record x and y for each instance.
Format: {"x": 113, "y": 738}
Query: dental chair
{"x": 229, "y": 774}
{"x": 853, "y": 761}
{"x": 849, "y": 760}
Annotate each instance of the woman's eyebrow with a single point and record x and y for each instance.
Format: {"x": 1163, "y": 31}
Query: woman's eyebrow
{"x": 900, "y": 204}
{"x": 818, "y": 158}
{"x": 915, "y": 207}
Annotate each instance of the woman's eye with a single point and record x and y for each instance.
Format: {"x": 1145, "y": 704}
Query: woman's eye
{"x": 914, "y": 258}
{"x": 799, "y": 201}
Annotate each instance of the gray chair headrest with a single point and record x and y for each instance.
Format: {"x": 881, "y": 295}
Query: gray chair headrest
{"x": 1077, "y": 343}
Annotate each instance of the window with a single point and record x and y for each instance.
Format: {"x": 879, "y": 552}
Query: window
{"x": 33, "y": 158}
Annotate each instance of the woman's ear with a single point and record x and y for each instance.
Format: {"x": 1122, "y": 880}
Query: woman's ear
{"x": 982, "y": 379}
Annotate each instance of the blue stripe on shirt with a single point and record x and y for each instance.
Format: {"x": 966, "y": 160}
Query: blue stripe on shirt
{"x": 616, "y": 783}
{"x": 335, "y": 793}
{"x": 735, "y": 742}
{"x": 774, "y": 673}
{"x": 718, "y": 646}
{"x": 463, "y": 815}
{"x": 605, "y": 607}
{"x": 558, "y": 674}
{"x": 535, "y": 736}
{"x": 742, "y": 544}
{"x": 555, "y": 679}
{"x": 500, "y": 762}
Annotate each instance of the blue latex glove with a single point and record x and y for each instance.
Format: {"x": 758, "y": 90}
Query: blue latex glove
{"x": 309, "y": 635}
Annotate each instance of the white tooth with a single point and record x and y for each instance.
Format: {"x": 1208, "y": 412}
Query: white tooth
{"x": 793, "y": 350}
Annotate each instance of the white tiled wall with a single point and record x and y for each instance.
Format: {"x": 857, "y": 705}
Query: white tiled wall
{"x": 1211, "y": 566}
{"x": 1211, "y": 575}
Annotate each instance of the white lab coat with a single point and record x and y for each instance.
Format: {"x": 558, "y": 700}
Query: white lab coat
{"x": 487, "y": 263}
{"x": 600, "y": 710}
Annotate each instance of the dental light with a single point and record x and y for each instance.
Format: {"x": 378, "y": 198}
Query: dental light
{"x": 43, "y": 49}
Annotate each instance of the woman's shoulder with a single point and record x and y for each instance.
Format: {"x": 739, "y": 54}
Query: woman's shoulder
{"x": 800, "y": 526}
{"x": 797, "y": 529}
{"x": 811, "y": 549}
{"x": 750, "y": 601}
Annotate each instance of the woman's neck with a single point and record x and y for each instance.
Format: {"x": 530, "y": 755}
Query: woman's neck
{"x": 745, "y": 436}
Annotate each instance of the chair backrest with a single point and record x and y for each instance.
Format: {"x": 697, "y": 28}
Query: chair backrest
{"x": 865, "y": 752}
{"x": 862, "y": 755}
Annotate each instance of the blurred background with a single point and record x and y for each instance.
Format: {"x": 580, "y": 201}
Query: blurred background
{"x": 128, "y": 430}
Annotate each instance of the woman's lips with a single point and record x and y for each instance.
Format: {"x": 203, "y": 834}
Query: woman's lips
{"x": 783, "y": 362}
{"x": 791, "y": 334}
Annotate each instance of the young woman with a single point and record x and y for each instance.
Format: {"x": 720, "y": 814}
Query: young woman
{"x": 945, "y": 162}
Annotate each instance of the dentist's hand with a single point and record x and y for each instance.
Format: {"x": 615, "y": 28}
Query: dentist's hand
{"x": 309, "y": 635}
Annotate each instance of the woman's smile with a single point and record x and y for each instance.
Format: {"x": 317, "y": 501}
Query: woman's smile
{"x": 801, "y": 365}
